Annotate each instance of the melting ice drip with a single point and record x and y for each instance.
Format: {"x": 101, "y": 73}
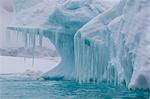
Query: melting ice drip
{"x": 29, "y": 35}
{"x": 108, "y": 48}
{"x": 95, "y": 57}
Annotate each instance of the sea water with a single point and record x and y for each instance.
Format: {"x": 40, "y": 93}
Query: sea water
{"x": 29, "y": 86}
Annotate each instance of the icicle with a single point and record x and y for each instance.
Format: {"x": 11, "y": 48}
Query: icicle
{"x": 17, "y": 38}
{"x": 40, "y": 37}
{"x": 7, "y": 38}
{"x": 33, "y": 37}
{"x": 28, "y": 35}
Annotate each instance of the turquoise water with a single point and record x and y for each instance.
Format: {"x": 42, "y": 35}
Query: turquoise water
{"x": 30, "y": 88}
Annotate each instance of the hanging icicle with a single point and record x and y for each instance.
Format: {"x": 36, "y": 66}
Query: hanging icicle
{"x": 30, "y": 36}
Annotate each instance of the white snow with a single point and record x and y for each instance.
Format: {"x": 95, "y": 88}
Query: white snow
{"x": 10, "y": 64}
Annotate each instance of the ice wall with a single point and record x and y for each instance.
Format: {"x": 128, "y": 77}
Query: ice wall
{"x": 113, "y": 47}
{"x": 92, "y": 44}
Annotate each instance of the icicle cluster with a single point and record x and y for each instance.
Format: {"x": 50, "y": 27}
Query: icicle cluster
{"x": 31, "y": 36}
{"x": 91, "y": 58}
{"x": 94, "y": 51}
{"x": 111, "y": 46}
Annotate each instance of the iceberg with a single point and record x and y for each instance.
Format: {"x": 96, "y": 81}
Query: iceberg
{"x": 96, "y": 43}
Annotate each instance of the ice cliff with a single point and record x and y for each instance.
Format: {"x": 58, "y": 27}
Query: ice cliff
{"x": 96, "y": 43}
{"x": 113, "y": 46}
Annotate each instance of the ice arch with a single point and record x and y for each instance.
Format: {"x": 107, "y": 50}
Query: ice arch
{"x": 58, "y": 23}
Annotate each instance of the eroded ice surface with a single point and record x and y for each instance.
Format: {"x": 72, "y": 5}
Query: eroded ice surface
{"x": 112, "y": 47}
